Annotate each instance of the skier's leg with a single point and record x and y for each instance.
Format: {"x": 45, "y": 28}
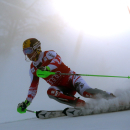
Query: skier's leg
{"x": 97, "y": 93}
{"x": 55, "y": 93}
{"x": 83, "y": 89}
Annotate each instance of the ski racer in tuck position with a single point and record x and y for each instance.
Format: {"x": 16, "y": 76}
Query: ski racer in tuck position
{"x": 62, "y": 87}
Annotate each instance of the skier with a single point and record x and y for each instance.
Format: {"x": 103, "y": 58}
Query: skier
{"x": 62, "y": 87}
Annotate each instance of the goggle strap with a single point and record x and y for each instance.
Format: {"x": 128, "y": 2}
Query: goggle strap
{"x": 37, "y": 44}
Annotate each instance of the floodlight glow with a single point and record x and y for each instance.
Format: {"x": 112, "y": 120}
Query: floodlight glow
{"x": 99, "y": 18}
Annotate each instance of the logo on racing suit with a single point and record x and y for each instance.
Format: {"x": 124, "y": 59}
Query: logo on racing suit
{"x": 55, "y": 93}
{"x": 53, "y": 79}
{"x": 51, "y": 55}
{"x": 78, "y": 86}
{"x": 33, "y": 70}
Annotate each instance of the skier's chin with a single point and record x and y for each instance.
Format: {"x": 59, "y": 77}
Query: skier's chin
{"x": 32, "y": 59}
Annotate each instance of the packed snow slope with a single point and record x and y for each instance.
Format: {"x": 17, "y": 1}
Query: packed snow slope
{"x": 108, "y": 121}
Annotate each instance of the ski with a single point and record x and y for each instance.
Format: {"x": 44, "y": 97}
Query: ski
{"x": 43, "y": 114}
{"x": 73, "y": 112}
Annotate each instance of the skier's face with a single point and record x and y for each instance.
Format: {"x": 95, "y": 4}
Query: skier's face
{"x": 32, "y": 56}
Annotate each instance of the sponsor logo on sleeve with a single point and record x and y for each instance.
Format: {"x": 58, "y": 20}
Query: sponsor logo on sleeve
{"x": 33, "y": 70}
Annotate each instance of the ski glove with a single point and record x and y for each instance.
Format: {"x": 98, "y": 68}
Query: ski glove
{"x": 43, "y": 71}
{"x": 44, "y": 68}
{"x": 21, "y": 108}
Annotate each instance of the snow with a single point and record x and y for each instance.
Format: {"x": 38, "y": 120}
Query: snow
{"x": 108, "y": 121}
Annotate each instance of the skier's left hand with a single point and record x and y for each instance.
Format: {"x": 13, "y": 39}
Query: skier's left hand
{"x": 21, "y": 108}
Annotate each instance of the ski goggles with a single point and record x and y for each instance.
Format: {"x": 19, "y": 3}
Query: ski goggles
{"x": 28, "y": 50}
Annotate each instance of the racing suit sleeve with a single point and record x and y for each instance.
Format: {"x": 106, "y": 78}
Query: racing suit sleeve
{"x": 55, "y": 60}
{"x": 33, "y": 87}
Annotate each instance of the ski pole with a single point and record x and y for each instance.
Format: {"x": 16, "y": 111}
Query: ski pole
{"x": 93, "y": 75}
{"x": 44, "y": 74}
{"x": 31, "y": 111}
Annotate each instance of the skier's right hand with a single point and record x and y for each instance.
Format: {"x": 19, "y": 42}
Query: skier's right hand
{"x": 43, "y": 71}
{"x": 21, "y": 108}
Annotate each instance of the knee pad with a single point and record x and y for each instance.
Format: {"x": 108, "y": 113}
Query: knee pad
{"x": 53, "y": 92}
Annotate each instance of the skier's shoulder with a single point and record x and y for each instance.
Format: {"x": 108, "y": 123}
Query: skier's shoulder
{"x": 50, "y": 53}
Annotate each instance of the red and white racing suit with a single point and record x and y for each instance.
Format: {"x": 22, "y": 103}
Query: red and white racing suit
{"x": 58, "y": 83}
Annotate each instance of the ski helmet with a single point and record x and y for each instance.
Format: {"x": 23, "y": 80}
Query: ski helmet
{"x": 32, "y": 45}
